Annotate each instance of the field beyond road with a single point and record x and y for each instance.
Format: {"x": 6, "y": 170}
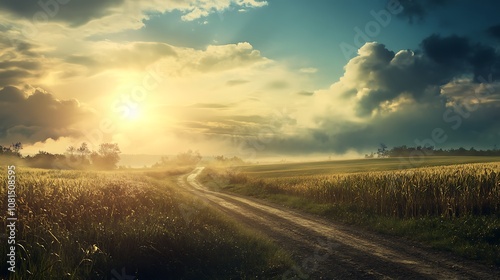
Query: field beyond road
{"x": 448, "y": 203}
{"x": 355, "y": 165}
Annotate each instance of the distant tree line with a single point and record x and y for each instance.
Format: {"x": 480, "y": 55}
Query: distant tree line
{"x": 188, "y": 158}
{"x": 228, "y": 160}
{"x": 405, "y": 151}
{"x": 106, "y": 157}
{"x": 12, "y": 150}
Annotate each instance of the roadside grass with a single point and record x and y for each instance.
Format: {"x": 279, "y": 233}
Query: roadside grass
{"x": 96, "y": 225}
{"x": 454, "y": 208}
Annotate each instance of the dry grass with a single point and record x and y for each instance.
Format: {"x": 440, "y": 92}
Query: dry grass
{"x": 447, "y": 191}
{"x": 85, "y": 224}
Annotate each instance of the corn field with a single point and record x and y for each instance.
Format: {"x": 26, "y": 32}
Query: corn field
{"x": 446, "y": 191}
{"x": 91, "y": 225}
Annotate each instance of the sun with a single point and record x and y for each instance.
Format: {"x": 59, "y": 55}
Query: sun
{"x": 132, "y": 113}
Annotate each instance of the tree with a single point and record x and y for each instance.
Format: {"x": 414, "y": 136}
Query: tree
{"x": 382, "y": 151}
{"x": 43, "y": 160}
{"x": 84, "y": 150}
{"x": 164, "y": 161}
{"x": 107, "y": 156}
{"x": 188, "y": 158}
{"x": 13, "y": 150}
{"x": 372, "y": 155}
{"x": 5, "y": 150}
{"x": 71, "y": 151}
{"x": 16, "y": 148}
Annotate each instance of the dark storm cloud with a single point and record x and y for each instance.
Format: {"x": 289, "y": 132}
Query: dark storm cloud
{"x": 418, "y": 10}
{"x": 458, "y": 54}
{"x": 378, "y": 76}
{"x": 494, "y": 31}
{"x": 405, "y": 97}
{"x": 14, "y": 76}
{"x": 73, "y": 12}
{"x": 37, "y": 117}
{"x": 413, "y": 126}
{"x": 449, "y": 50}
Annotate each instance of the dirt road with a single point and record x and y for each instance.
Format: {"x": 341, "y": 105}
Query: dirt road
{"x": 326, "y": 250}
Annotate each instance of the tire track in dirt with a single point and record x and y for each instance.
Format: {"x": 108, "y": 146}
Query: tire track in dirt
{"x": 326, "y": 250}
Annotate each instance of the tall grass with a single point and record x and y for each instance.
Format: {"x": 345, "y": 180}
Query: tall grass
{"x": 87, "y": 225}
{"x": 447, "y": 191}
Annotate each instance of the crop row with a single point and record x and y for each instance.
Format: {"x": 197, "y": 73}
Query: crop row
{"x": 447, "y": 191}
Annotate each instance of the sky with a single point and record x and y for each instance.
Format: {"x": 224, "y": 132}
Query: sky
{"x": 250, "y": 78}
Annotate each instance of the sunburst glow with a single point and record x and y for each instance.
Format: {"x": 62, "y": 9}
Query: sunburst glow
{"x": 131, "y": 113}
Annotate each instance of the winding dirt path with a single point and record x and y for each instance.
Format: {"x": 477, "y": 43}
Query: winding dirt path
{"x": 326, "y": 250}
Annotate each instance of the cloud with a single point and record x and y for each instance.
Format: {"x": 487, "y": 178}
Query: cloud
{"x": 210, "y": 106}
{"x": 277, "y": 85}
{"x": 305, "y": 93}
{"x": 459, "y": 55}
{"x": 409, "y": 124}
{"x": 220, "y": 58}
{"x": 401, "y": 98}
{"x": 384, "y": 96}
{"x": 494, "y": 31}
{"x": 418, "y": 10}
{"x": 73, "y": 12}
{"x": 19, "y": 61}
{"x": 309, "y": 70}
{"x": 200, "y": 9}
{"x": 76, "y": 13}
{"x": 36, "y": 117}
{"x": 236, "y": 82}
{"x": 449, "y": 50}
{"x": 378, "y": 77}
{"x": 136, "y": 55}
{"x": 176, "y": 61}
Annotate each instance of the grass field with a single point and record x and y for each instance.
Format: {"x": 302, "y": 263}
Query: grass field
{"x": 353, "y": 166}
{"x": 451, "y": 203}
{"x": 97, "y": 225}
